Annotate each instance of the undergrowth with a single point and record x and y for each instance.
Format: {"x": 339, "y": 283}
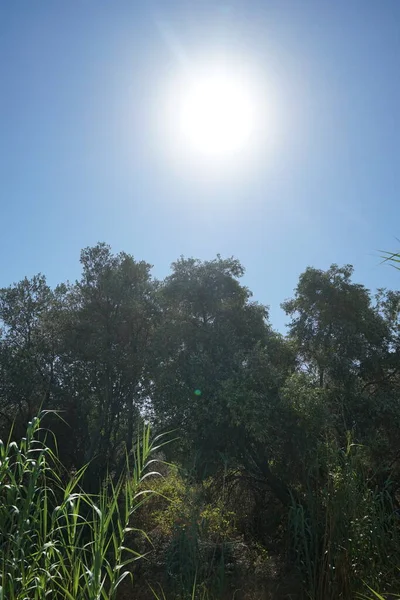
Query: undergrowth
{"x": 56, "y": 541}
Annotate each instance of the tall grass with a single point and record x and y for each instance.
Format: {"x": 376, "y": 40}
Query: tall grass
{"x": 344, "y": 534}
{"x": 56, "y": 541}
{"x": 393, "y": 258}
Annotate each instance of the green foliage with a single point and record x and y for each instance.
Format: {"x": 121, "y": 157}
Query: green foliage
{"x": 208, "y": 327}
{"x": 393, "y": 258}
{"x": 343, "y": 532}
{"x": 290, "y": 440}
{"x": 217, "y": 521}
{"x": 334, "y": 324}
{"x": 194, "y": 532}
{"x": 169, "y": 503}
{"x": 376, "y": 596}
{"x": 57, "y": 541}
{"x": 26, "y": 349}
{"x": 177, "y": 499}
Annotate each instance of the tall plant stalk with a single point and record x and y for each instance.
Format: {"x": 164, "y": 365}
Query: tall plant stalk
{"x": 56, "y": 541}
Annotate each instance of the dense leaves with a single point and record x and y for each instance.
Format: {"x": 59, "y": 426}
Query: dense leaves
{"x": 278, "y": 416}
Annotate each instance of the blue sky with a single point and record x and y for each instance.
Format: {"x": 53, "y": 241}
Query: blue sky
{"x": 81, "y": 83}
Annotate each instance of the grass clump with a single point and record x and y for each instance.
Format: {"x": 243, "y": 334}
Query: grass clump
{"x": 345, "y": 535}
{"x": 56, "y": 541}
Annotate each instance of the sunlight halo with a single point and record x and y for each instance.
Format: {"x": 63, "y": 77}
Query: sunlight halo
{"x": 216, "y": 115}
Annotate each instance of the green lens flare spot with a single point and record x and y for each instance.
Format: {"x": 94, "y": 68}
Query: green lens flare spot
{"x": 197, "y": 392}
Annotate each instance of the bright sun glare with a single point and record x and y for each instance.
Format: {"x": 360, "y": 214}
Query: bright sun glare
{"x": 216, "y": 115}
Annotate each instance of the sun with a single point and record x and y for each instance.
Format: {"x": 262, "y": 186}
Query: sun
{"x": 216, "y": 115}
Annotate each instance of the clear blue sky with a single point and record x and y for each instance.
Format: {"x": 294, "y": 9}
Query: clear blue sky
{"x": 79, "y": 162}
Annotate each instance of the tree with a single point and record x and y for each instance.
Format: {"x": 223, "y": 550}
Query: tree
{"x": 334, "y": 325}
{"x": 349, "y": 347}
{"x": 208, "y": 327}
{"x": 27, "y": 349}
{"x": 109, "y": 317}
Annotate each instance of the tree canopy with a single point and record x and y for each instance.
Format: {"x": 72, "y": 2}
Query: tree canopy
{"x": 195, "y": 354}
